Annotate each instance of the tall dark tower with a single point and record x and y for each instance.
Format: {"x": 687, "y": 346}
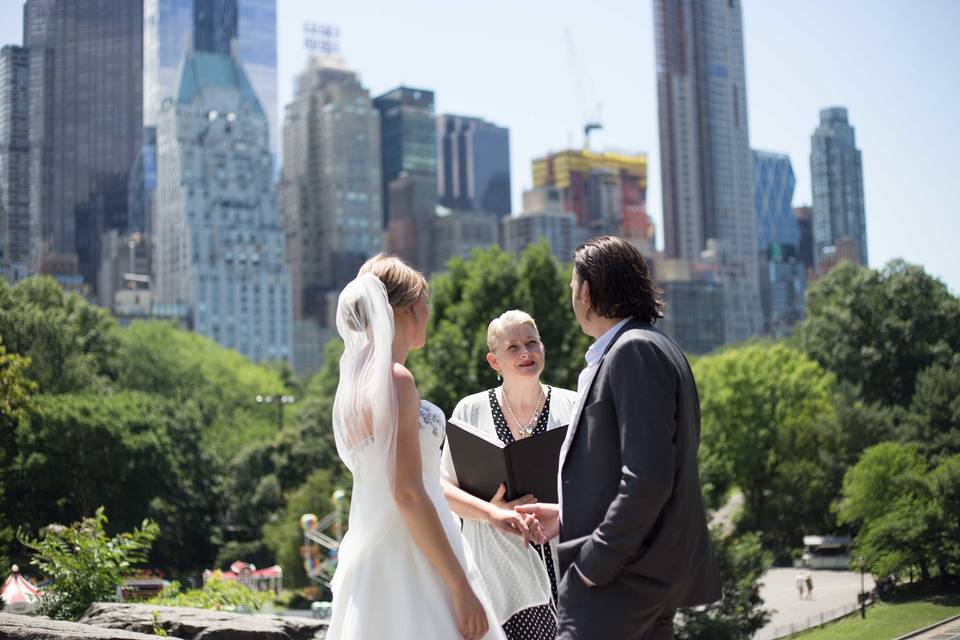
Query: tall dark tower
{"x": 86, "y": 86}
{"x": 214, "y": 25}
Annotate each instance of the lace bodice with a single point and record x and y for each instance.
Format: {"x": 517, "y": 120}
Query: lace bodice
{"x": 433, "y": 431}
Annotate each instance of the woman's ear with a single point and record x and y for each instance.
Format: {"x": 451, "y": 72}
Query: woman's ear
{"x": 492, "y": 361}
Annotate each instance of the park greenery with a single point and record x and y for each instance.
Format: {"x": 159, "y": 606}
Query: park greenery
{"x": 851, "y": 425}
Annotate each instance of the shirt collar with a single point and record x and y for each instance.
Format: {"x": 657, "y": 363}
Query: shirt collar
{"x": 597, "y": 349}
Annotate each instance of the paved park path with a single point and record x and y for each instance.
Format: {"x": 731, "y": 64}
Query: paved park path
{"x": 949, "y": 631}
{"x": 831, "y": 590}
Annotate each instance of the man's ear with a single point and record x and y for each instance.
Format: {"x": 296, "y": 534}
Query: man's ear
{"x": 585, "y": 295}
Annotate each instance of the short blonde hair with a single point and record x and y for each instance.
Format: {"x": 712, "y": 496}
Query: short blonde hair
{"x": 403, "y": 283}
{"x": 511, "y": 318}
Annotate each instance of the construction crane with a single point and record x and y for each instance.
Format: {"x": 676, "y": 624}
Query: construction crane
{"x": 591, "y": 122}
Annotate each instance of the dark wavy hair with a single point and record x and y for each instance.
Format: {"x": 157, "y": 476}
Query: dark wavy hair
{"x": 620, "y": 282}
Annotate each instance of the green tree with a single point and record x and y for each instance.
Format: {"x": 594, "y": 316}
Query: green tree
{"x": 157, "y": 357}
{"x": 470, "y": 294}
{"x": 84, "y": 564}
{"x": 888, "y": 497}
{"x": 934, "y": 419}
{"x": 765, "y": 410}
{"x": 740, "y": 613}
{"x": 70, "y": 342}
{"x": 136, "y": 454}
{"x": 880, "y": 329}
{"x": 15, "y": 402}
{"x": 285, "y": 537}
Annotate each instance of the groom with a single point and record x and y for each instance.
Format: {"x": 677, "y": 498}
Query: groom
{"x": 633, "y": 536}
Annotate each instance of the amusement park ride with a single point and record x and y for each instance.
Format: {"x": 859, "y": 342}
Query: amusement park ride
{"x": 319, "y": 546}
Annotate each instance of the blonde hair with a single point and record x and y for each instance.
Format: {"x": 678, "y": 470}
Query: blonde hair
{"x": 403, "y": 283}
{"x": 511, "y": 318}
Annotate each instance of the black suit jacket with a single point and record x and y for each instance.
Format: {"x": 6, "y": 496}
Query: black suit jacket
{"x": 632, "y": 507}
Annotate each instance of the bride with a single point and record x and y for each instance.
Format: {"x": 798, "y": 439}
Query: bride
{"x": 403, "y": 571}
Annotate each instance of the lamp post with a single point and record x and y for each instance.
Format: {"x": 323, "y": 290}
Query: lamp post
{"x": 280, "y": 401}
{"x": 863, "y": 595}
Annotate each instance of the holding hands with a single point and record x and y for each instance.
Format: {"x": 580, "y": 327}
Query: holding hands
{"x": 504, "y": 516}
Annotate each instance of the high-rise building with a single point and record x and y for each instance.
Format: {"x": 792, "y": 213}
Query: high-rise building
{"x": 413, "y": 210}
{"x": 804, "y": 216}
{"x": 14, "y": 163}
{"x": 330, "y": 188}
{"x": 458, "y": 232}
{"x": 408, "y": 135}
{"x": 693, "y": 302}
{"x": 543, "y": 217}
{"x": 210, "y": 25}
{"x": 473, "y": 164}
{"x": 773, "y": 184}
{"x": 606, "y": 192}
{"x": 705, "y": 156}
{"x": 86, "y": 125}
{"x": 220, "y": 248}
{"x": 783, "y": 277}
{"x": 836, "y": 174}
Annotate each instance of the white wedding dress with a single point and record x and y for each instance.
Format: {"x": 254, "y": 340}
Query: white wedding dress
{"x": 385, "y": 587}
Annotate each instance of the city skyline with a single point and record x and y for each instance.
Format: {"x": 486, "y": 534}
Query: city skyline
{"x": 879, "y": 63}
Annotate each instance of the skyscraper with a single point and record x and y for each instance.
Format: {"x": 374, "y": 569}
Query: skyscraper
{"x": 408, "y": 139}
{"x": 606, "y": 192}
{"x": 220, "y": 248}
{"x": 782, "y": 273}
{"x": 330, "y": 189}
{"x": 473, "y": 167}
{"x": 543, "y": 217}
{"x": 85, "y": 127}
{"x": 836, "y": 173}
{"x": 14, "y": 162}
{"x": 210, "y": 25}
{"x": 804, "y": 216}
{"x": 706, "y": 167}
{"x": 773, "y": 183}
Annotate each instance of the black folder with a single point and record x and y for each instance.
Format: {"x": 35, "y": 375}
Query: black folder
{"x": 528, "y": 465}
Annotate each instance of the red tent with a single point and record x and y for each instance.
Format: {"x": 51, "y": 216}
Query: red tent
{"x": 18, "y": 595}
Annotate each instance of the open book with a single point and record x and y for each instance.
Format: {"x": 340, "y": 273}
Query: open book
{"x": 482, "y": 462}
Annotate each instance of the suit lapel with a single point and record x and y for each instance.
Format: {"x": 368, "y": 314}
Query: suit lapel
{"x": 582, "y": 395}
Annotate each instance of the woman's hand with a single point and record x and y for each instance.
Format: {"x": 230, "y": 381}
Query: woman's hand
{"x": 503, "y": 517}
{"x": 468, "y": 613}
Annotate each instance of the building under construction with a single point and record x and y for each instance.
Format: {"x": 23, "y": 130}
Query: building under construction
{"x": 606, "y": 191}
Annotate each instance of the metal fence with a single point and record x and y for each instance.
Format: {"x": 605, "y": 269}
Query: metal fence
{"x": 817, "y": 620}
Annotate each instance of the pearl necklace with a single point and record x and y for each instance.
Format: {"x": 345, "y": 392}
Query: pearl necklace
{"x": 525, "y": 430}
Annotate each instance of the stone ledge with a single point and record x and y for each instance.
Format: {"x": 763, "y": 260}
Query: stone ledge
{"x": 18, "y": 627}
{"x": 202, "y": 624}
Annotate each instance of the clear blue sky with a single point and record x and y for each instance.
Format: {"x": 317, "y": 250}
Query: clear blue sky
{"x": 894, "y": 65}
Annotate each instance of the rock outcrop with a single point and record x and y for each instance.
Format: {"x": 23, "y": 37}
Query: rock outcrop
{"x": 202, "y": 624}
{"x": 19, "y": 627}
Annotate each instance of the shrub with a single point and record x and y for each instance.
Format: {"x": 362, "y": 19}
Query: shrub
{"x": 84, "y": 564}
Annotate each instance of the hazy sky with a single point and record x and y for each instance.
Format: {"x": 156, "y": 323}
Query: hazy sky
{"x": 894, "y": 65}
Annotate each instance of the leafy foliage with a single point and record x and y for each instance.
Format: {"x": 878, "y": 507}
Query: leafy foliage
{"x": 473, "y": 292}
{"x": 765, "y": 410}
{"x": 284, "y": 537}
{"x": 218, "y": 594}
{"x": 906, "y": 516}
{"x": 84, "y": 563}
{"x": 739, "y": 614}
{"x": 134, "y": 453}
{"x": 70, "y": 343}
{"x": 881, "y": 329}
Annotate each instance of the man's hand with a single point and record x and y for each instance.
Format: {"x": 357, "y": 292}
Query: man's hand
{"x": 503, "y": 517}
{"x": 548, "y": 519}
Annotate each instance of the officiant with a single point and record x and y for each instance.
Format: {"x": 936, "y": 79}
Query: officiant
{"x": 520, "y": 578}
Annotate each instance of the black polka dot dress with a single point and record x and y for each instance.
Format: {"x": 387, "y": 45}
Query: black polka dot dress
{"x": 535, "y": 623}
